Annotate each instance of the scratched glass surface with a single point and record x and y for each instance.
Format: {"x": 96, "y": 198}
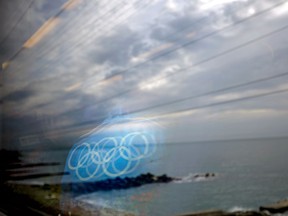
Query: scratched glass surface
{"x": 142, "y": 107}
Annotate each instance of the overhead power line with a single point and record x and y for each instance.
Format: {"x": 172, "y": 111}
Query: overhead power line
{"x": 63, "y": 33}
{"x": 84, "y": 38}
{"x": 217, "y": 91}
{"x": 225, "y": 102}
{"x": 99, "y": 121}
{"x": 79, "y": 42}
{"x": 195, "y": 41}
{"x": 178, "y": 47}
{"x": 17, "y": 22}
{"x": 200, "y": 39}
{"x": 57, "y": 14}
{"x": 202, "y": 62}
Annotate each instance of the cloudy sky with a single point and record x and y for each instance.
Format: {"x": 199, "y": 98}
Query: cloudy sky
{"x": 203, "y": 69}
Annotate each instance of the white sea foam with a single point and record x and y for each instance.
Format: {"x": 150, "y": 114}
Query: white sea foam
{"x": 193, "y": 177}
{"x": 239, "y": 208}
{"x": 85, "y": 200}
{"x": 91, "y": 203}
{"x": 186, "y": 179}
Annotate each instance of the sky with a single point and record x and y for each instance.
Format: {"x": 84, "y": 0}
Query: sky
{"x": 68, "y": 65}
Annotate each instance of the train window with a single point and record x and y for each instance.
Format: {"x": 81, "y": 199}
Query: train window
{"x": 143, "y": 107}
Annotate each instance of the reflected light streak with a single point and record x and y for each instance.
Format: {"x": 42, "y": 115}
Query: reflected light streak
{"x": 47, "y": 27}
{"x": 174, "y": 114}
{"x": 71, "y": 4}
{"x": 111, "y": 79}
{"x": 190, "y": 34}
{"x": 213, "y": 5}
{"x": 152, "y": 52}
{"x": 5, "y": 65}
{"x": 152, "y": 84}
{"x": 73, "y": 87}
{"x": 251, "y": 11}
{"x": 228, "y": 96}
{"x": 242, "y": 113}
{"x": 281, "y": 10}
{"x": 172, "y": 5}
{"x": 91, "y": 85}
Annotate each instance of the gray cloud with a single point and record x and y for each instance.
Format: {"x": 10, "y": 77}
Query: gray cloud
{"x": 18, "y": 96}
{"x": 86, "y": 83}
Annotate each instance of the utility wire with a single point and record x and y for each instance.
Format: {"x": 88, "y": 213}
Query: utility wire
{"x": 80, "y": 42}
{"x": 237, "y": 47}
{"x": 57, "y": 14}
{"x": 186, "y": 44}
{"x": 202, "y": 38}
{"x": 99, "y": 121}
{"x": 17, "y": 22}
{"x": 225, "y": 102}
{"x": 212, "y": 92}
{"x": 51, "y": 48}
{"x": 71, "y": 23}
{"x": 175, "y": 49}
{"x": 190, "y": 43}
{"x": 201, "y": 62}
{"x": 205, "y": 61}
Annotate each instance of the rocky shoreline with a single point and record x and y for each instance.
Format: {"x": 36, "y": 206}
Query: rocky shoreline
{"x": 125, "y": 183}
{"x": 115, "y": 184}
{"x": 46, "y": 197}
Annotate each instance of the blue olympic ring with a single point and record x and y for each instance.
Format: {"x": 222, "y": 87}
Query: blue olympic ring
{"x": 94, "y": 160}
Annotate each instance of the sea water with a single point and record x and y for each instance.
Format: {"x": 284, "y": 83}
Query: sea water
{"x": 249, "y": 173}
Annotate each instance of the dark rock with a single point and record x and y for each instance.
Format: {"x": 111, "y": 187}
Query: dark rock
{"x": 116, "y": 183}
{"x": 279, "y": 207}
{"x": 204, "y": 175}
{"x": 46, "y": 187}
{"x": 164, "y": 178}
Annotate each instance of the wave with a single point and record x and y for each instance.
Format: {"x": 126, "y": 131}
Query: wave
{"x": 186, "y": 179}
{"x": 195, "y": 177}
{"x": 239, "y": 208}
{"x": 91, "y": 201}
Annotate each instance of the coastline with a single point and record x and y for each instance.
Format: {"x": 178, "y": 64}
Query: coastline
{"x": 40, "y": 200}
{"x": 46, "y": 202}
{"x": 51, "y": 199}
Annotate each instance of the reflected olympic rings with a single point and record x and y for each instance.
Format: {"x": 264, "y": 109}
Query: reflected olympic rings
{"x": 95, "y": 159}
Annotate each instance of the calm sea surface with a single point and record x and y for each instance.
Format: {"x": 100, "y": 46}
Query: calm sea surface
{"x": 250, "y": 173}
